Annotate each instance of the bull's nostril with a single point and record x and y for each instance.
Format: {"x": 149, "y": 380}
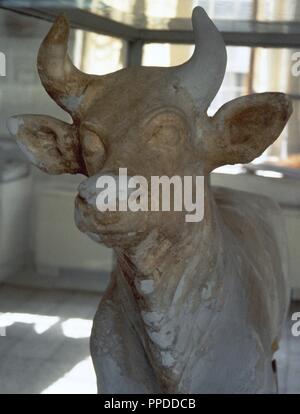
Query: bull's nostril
{"x": 81, "y": 199}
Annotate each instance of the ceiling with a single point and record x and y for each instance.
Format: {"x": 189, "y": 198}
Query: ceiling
{"x": 266, "y": 23}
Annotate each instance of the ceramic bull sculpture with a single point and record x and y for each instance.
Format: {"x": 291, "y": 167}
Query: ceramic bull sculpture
{"x": 191, "y": 307}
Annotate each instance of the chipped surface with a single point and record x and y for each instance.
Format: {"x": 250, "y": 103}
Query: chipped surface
{"x": 14, "y": 123}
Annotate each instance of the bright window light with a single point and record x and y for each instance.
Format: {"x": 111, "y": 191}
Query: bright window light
{"x": 269, "y": 174}
{"x": 41, "y": 322}
{"x": 77, "y": 381}
{"x": 77, "y": 328}
{"x": 156, "y": 55}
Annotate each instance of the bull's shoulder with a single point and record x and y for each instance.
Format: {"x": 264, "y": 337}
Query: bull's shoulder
{"x": 257, "y": 225}
{"x": 252, "y": 218}
{"x": 247, "y": 204}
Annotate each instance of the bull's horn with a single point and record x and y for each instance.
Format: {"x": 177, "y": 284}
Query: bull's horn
{"x": 61, "y": 79}
{"x": 203, "y": 74}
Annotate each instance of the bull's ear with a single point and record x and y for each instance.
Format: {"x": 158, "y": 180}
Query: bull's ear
{"x": 48, "y": 143}
{"x": 245, "y": 127}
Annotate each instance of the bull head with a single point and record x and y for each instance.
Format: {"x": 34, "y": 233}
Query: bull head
{"x": 150, "y": 120}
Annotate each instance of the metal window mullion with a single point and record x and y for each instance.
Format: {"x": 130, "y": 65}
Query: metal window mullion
{"x": 134, "y": 52}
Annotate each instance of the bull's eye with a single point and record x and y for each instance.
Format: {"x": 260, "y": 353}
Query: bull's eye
{"x": 166, "y": 128}
{"x": 166, "y": 135}
{"x": 93, "y": 151}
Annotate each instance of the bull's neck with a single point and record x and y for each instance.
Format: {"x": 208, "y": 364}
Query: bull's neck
{"x": 165, "y": 289}
{"x": 160, "y": 271}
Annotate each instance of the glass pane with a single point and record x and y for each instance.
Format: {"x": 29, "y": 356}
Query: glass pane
{"x": 138, "y": 10}
{"x": 228, "y": 9}
{"x": 236, "y": 81}
{"x": 151, "y": 13}
{"x": 274, "y": 10}
{"x": 273, "y": 70}
{"x": 165, "y": 54}
{"x": 99, "y": 54}
{"x": 248, "y": 71}
{"x": 278, "y": 70}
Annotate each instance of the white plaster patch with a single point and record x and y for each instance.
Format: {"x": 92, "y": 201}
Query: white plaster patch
{"x": 146, "y": 286}
{"x": 151, "y": 317}
{"x": 162, "y": 339}
{"x": 14, "y": 123}
{"x": 207, "y": 290}
{"x": 88, "y": 190}
{"x": 72, "y": 102}
{"x": 167, "y": 359}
